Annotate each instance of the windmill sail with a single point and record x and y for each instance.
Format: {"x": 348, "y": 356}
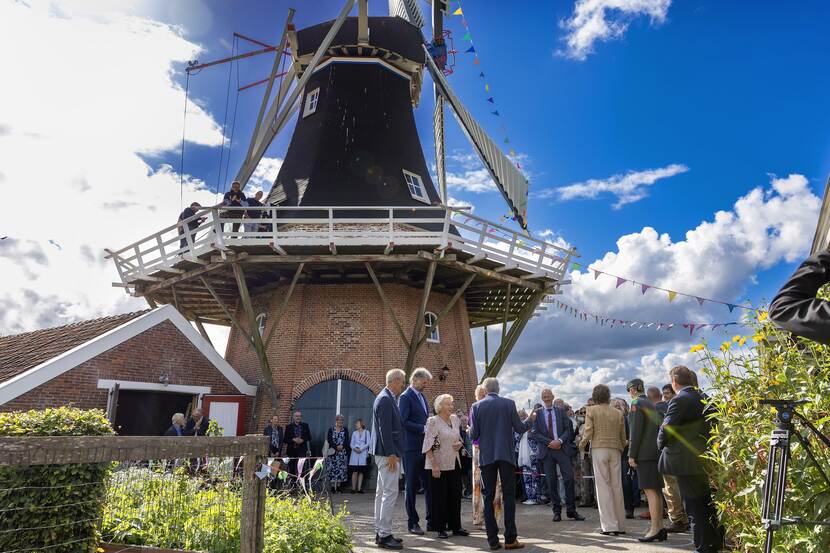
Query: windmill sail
{"x": 509, "y": 180}
{"x": 408, "y": 10}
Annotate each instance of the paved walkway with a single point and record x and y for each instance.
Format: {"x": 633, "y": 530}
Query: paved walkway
{"x": 535, "y": 529}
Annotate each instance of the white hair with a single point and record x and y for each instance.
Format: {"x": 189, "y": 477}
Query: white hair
{"x": 491, "y": 385}
{"x": 177, "y": 416}
{"x": 420, "y": 374}
{"x": 479, "y": 388}
{"x": 439, "y": 400}
{"x": 394, "y": 375}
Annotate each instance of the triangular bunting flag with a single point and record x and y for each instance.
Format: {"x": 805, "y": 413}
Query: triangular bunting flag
{"x": 685, "y": 325}
{"x": 496, "y": 113}
{"x": 506, "y": 140}
{"x": 476, "y": 61}
{"x": 620, "y": 281}
{"x": 669, "y": 326}
{"x": 731, "y": 307}
{"x": 645, "y": 287}
{"x": 464, "y": 22}
{"x": 512, "y": 152}
{"x": 576, "y": 266}
{"x": 700, "y": 300}
{"x": 469, "y": 50}
{"x": 659, "y": 326}
{"x": 701, "y": 327}
{"x": 458, "y": 12}
{"x": 596, "y": 273}
{"x": 691, "y": 329}
{"x": 481, "y": 74}
{"x": 672, "y": 295}
{"x": 467, "y": 37}
{"x": 490, "y": 99}
{"x": 486, "y": 88}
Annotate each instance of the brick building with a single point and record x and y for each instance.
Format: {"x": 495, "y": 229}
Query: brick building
{"x": 139, "y": 367}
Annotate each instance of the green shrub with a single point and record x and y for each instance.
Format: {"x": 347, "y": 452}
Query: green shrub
{"x": 54, "y": 506}
{"x": 304, "y": 526}
{"x": 772, "y": 365}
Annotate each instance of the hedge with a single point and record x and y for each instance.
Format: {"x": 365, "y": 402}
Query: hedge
{"x": 52, "y": 506}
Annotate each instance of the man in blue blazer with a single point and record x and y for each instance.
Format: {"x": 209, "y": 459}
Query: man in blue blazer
{"x": 414, "y": 409}
{"x": 682, "y": 440}
{"x": 387, "y": 447}
{"x": 553, "y": 433}
{"x": 494, "y": 419}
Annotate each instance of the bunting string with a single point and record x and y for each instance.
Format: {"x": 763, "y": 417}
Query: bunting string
{"x": 613, "y": 322}
{"x": 671, "y": 294}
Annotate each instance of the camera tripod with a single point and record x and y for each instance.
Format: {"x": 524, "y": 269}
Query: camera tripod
{"x": 775, "y": 484}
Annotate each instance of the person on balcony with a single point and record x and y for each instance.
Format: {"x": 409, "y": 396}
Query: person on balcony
{"x": 191, "y": 225}
{"x": 234, "y": 198}
{"x": 253, "y": 202}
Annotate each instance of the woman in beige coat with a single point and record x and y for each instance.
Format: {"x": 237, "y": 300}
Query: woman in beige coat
{"x": 605, "y": 430}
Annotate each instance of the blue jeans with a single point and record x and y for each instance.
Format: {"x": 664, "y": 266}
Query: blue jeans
{"x": 417, "y": 477}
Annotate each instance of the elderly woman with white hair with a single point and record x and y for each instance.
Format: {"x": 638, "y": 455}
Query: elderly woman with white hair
{"x": 176, "y": 429}
{"x": 442, "y": 444}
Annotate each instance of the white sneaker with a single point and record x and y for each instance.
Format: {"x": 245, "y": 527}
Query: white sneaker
{"x": 529, "y": 502}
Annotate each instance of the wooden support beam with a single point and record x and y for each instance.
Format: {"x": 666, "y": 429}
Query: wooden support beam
{"x": 443, "y": 313}
{"x": 151, "y": 301}
{"x": 186, "y": 276}
{"x": 387, "y": 305}
{"x": 507, "y": 279}
{"x": 495, "y": 365}
{"x": 419, "y": 320}
{"x": 245, "y": 297}
{"x": 228, "y": 314}
{"x": 202, "y": 330}
{"x": 326, "y": 258}
{"x": 506, "y": 313}
{"x": 284, "y": 305}
{"x": 175, "y": 297}
{"x": 486, "y": 350}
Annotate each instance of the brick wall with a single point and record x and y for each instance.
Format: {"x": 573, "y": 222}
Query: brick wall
{"x": 156, "y": 351}
{"x": 343, "y": 331}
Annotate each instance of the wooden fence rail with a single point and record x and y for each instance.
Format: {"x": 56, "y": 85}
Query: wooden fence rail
{"x": 66, "y": 450}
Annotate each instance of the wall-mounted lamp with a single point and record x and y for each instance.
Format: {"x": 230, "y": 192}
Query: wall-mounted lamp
{"x": 445, "y": 371}
{"x": 164, "y": 379}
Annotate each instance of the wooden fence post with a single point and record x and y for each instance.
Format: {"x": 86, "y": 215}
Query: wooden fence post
{"x": 251, "y": 528}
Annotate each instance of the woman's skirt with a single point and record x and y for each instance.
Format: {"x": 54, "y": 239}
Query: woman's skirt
{"x": 649, "y": 476}
{"x": 478, "y": 495}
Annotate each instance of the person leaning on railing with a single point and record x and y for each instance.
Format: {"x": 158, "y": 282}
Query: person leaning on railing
{"x": 192, "y": 225}
{"x": 234, "y": 198}
{"x": 796, "y": 307}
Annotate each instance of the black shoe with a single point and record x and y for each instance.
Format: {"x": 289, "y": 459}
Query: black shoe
{"x": 359, "y": 491}
{"x": 662, "y": 535}
{"x": 575, "y": 516}
{"x": 352, "y": 491}
{"x": 629, "y": 514}
{"x": 460, "y": 532}
{"x": 442, "y": 535}
{"x": 608, "y": 533}
{"x": 495, "y": 546}
{"x": 430, "y": 528}
{"x": 416, "y": 530}
{"x": 377, "y": 539}
{"x": 619, "y": 533}
{"x": 557, "y": 517}
{"x": 389, "y": 543}
{"x": 677, "y": 528}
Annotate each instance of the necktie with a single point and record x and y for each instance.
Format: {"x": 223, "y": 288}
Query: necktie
{"x": 550, "y": 423}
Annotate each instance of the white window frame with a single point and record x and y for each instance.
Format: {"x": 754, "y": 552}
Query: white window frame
{"x": 430, "y": 318}
{"x": 311, "y": 101}
{"x": 261, "y": 321}
{"x": 414, "y": 180}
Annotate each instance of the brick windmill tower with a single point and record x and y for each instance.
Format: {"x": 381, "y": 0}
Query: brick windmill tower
{"x": 357, "y": 265}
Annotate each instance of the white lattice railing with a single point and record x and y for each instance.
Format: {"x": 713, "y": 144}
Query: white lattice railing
{"x": 279, "y": 228}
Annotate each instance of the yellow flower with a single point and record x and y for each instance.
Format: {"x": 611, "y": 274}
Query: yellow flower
{"x": 757, "y": 338}
{"x": 762, "y": 316}
{"x": 725, "y": 346}
{"x": 736, "y": 337}
{"x": 742, "y": 341}
{"x": 696, "y": 348}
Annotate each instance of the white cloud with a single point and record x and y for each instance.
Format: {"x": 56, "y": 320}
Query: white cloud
{"x": 627, "y": 188}
{"x": 73, "y": 136}
{"x": 717, "y": 259}
{"x": 603, "y": 20}
{"x": 265, "y": 174}
{"x": 455, "y": 202}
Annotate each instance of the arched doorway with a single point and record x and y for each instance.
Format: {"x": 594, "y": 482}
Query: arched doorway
{"x": 320, "y": 403}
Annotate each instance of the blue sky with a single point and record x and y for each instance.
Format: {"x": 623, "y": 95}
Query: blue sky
{"x": 731, "y": 95}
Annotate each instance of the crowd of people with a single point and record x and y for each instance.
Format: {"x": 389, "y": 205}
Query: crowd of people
{"x": 604, "y": 453}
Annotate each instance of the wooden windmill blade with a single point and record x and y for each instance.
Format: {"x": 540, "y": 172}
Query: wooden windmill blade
{"x": 407, "y": 10}
{"x": 510, "y": 181}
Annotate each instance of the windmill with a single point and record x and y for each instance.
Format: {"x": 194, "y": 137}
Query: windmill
{"x": 356, "y": 264}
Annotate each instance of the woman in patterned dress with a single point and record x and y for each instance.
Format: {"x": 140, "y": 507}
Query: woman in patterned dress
{"x": 530, "y": 474}
{"x": 337, "y": 462}
{"x": 478, "y": 498}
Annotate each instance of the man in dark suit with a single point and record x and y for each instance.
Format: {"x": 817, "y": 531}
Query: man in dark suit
{"x": 197, "y": 424}
{"x": 553, "y": 433}
{"x": 274, "y": 431}
{"x": 494, "y": 421}
{"x": 682, "y": 440}
{"x": 387, "y": 447}
{"x": 796, "y": 308}
{"x": 297, "y": 443}
{"x": 414, "y": 413}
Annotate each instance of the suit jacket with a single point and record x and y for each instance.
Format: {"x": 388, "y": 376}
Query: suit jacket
{"x": 274, "y": 449}
{"x": 172, "y": 431}
{"x": 796, "y": 307}
{"x": 414, "y": 419}
{"x": 684, "y": 434}
{"x": 190, "y": 428}
{"x": 564, "y": 429}
{"x": 604, "y": 427}
{"x": 644, "y": 421}
{"x": 293, "y": 431}
{"x": 387, "y": 428}
{"x": 494, "y": 421}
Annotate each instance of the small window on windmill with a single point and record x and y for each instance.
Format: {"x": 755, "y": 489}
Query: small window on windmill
{"x": 416, "y": 186}
{"x": 429, "y": 321}
{"x": 261, "y": 319}
{"x": 311, "y": 102}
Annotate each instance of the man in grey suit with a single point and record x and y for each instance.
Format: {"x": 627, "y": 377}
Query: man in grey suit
{"x": 554, "y": 436}
{"x": 387, "y": 447}
{"x": 494, "y": 421}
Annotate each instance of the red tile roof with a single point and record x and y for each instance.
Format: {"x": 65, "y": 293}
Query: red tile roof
{"x": 20, "y": 352}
